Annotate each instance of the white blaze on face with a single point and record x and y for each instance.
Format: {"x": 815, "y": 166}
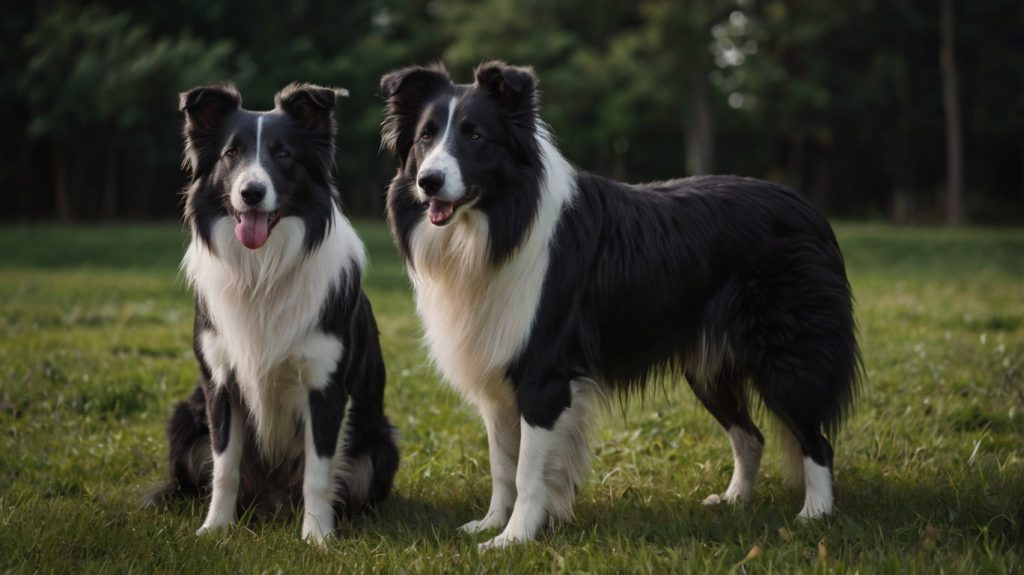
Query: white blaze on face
{"x": 441, "y": 159}
{"x": 254, "y": 173}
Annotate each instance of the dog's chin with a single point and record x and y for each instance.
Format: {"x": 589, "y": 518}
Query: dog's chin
{"x": 441, "y": 212}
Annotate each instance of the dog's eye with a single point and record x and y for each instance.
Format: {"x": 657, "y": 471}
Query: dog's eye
{"x": 474, "y": 136}
{"x": 426, "y": 137}
{"x": 284, "y": 154}
{"x": 231, "y": 153}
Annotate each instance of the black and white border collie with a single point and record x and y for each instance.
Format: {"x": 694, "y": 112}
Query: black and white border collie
{"x": 541, "y": 286}
{"x": 289, "y": 402}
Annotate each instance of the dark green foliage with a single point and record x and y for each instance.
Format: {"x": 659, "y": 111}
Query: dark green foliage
{"x": 839, "y": 100}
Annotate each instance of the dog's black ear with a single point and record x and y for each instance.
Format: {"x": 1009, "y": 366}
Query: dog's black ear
{"x": 205, "y": 109}
{"x": 513, "y": 87}
{"x": 206, "y": 106}
{"x": 405, "y": 92}
{"x": 311, "y": 105}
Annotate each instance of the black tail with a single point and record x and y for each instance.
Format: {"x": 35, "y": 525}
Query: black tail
{"x": 189, "y": 456}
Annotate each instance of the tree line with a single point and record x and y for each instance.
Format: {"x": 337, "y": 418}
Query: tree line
{"x": 911, "y": 111}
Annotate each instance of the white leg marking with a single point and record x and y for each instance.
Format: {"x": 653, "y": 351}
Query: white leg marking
{"x": 503, "y": 444}
{"x": 818, "y": 485}
{"x": 226, "y": 475}
{"x": 317, "y": 491}
{"x": 530, "y": 512}
{"x": 550, "y": 464}
{"x": 746, "y": 457}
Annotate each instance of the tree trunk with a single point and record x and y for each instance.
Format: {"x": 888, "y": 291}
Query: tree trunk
{"x": 61, "y": 191}
{"x": 699, "y": 129}
{"x": 951, "y": 101}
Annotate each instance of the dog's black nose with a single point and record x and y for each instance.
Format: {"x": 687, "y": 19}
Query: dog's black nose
{"x": 253, "y": 193}
{"x": 431, "y": 182}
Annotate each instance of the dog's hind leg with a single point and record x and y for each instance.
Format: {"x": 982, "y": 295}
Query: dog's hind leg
{"x": 724, "y": 396}
{"x": 502, "y": 424}
{"x": 815, "y": 452}
{"x": 189, "y": 454}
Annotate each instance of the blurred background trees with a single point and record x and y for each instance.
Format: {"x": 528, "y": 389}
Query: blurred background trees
{"x": 870, "y": 108}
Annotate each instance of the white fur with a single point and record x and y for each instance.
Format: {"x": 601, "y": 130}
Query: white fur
{"x": 818, "y": 494}
{"x": 265, "y": 308}
{"x": 502, "y": 424}
{"x": 254, "y": 172}
{"x": 746, "y": 457}
{"x": 476, "y": 317}
{"x": 551, "y": 462}
{"x": 226, "y": 477}
{"x": 441, "y": 159}
{"x": 317, "y": 490}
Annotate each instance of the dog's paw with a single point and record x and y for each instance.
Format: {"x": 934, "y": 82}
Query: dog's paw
{"x": 211, "y": 527}
{"x": 713, "y": 499}
{"x": 316, "y": 530}
{"x": 813, "y": 512}
{"x": 727, "y": 497}
{"x": 490, "y": 521}
{"x": 500, "y": 542}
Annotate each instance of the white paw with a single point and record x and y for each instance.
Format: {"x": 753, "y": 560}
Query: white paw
{"x": 211, "y": 526}
{"x": 716, "y": 499}
{"x": 810, "y": 513}
{"x": 500, "y": 542}
{"x": 490, "y": 521}
{"x": 316, "y": 529}
{"x": 713, "y": 499}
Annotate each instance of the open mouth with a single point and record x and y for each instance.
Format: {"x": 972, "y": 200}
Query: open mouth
{"x": 441, "y": 212}
{"x": 254, "y": 227}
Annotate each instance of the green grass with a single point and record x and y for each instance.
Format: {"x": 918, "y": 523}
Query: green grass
{"x": 95, "y": 346}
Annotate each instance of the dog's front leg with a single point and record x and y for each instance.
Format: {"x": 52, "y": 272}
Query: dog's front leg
{"x": 227, "y": 437}
{"x": 553, "y": 456}
{"x": 502, "y": 423}
{"x": 323, "y": 424}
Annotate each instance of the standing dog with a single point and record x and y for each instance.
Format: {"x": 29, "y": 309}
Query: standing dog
{"x": 540, "y": 285}
{"x": 289, "y": 403}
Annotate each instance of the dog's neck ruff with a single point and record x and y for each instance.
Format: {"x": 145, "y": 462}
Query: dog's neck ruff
{"x": 461, "y": 296}
{"x": 267, "y": 300}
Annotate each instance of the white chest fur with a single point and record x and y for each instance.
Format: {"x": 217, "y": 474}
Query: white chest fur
{"x": 265, "y": 309}
{"x": 477, "y": 317}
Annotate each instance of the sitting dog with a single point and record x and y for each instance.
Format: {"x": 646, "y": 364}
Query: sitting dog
{"x": 289, "y": 402}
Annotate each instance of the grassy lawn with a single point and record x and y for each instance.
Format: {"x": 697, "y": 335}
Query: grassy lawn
{"x": 95, "y": 328}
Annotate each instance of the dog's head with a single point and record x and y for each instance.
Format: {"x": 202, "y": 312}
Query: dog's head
{"x": 260, "y": 167}
{"x": 462, "y": 147}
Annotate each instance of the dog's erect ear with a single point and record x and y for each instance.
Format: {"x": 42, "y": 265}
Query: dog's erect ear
{"x": 206, "y": 106}
{"x": 512, "y": 87}
{"x": 405, "y": 92}
{"x": 311, "y": 105}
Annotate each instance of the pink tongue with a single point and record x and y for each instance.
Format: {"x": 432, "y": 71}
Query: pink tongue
{"x": 252, "y": 229}
{"x": 440, "y": 211}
